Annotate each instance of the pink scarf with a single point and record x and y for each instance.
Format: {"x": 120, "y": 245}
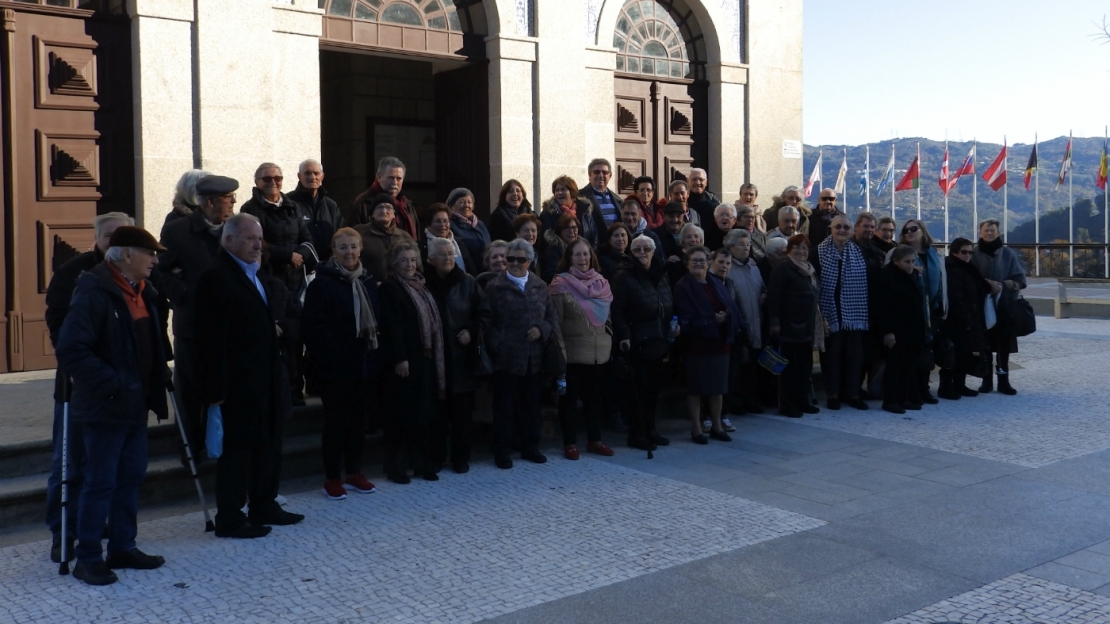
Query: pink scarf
{"x": 589, "y": 289}
{"x": 472, "y": 220}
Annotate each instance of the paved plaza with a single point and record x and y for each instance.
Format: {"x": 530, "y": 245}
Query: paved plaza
{"x": 985, "y": 510}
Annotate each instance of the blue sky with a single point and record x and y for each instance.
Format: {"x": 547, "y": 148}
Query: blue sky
{"x": 876, "y": 69}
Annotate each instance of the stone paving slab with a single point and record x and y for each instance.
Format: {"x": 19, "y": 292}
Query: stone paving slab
{"x": 466, "y": 548}
{"x": 1017, "y": 599}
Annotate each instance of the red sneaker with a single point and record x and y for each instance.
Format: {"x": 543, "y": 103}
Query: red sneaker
{"x": 333, "y": 488}
{"x": 600, "y": 448}
{"x": 358, "y": 483}
{"x": 571, "y": 452}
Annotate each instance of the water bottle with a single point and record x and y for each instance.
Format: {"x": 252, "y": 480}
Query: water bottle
{"x": 673, "y": 326}
{"x": 561, "y": 385}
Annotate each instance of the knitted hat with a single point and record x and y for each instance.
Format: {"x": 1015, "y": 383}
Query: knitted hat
{"x": 457, "y": 194}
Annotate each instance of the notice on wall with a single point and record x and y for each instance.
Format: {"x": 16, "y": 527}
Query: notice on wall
{"x": 791, "y": 148}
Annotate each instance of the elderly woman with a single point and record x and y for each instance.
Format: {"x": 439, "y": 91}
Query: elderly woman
{"x": 642, "y": 308}
{"x": 842, "y": 275}
{"x": 565, "y": 201}
{"x": 437, "y": 224}
{"x": 512, "y": 202}
{"x": 614, "y": 252}
{"x": 340, "y": 328}
{"x": 794, "y": 319}
{"x": 787, "y": 223}
{"x": 746, "y": 220}
{"x": 527, "y": 226}
{"x": 471, "y": 232}
{"x": 776, "y": 255}
{"x": 1003, "y": 270}
{"x": 564, "y": 232}
{"x": 724, "y": 219}
{"x": 495, "y": 262}
{"x": 457, "y": 296}
{"x": 518, "y": 320}
{"x": 415, "y": 362}
{"x": 689, "y": 237}
{"x": 749, "y": 195}
{"x": 791, "y": 196}
{"x": 965, "y": 325}
{"x": 934, "y": 282}
{"x": 903, "y": 321}
{"x": 719, "y": 265}
{"x": 185, "y": 199}
{"x": 745, "y": 274}
{"x": 710, "y": 321}
{"x": 582, "y": 299}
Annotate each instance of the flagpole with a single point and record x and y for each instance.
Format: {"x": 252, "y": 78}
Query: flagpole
{"x": 919, "y": 181}
{"x": 1106, "y": 211}
{"x": 1036, "y": 208}
{"x": 892, "y": 215}
{"x": 867, "y": 177}
{"x": 845, "y": 161}
{"x": 946, "y": 189}
{"x": 975, "y": 188}
{"x": 1071, "y": 222}
{"x": 1005, "y": 188}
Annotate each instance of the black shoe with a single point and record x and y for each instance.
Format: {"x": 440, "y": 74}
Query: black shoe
{"x": 811, "y": 409}
{"x": 641, "y": 443}
{"x": 534, "y": 456}
{"x": 503, "y": 463}
{"x": 967, "y": 392}
{"x": 790, "y": 413}
{"x": 913, "y": 407}
{"x": 834, "y": 404}
{"x": 430, "y": 475}
{"x": 95, "y": 573}
{"x": 858, "y": 404}
{"x": 461, "y": 467}
{"x": 244, "y": 531}
{"x": 699, "y": 438}
{"x": 720, "y": 436}
{"x": 1004, "y": 385}
{"x": 399, "y": 478}
{"x": 134, "y": 559}
{"x": 656, "y": 439}
{"x": 278, "y": 517}
{"x": 893, "y": 408}
{"x": 987, "y": 385}
{"x": 56, "y": 549}
{"x": 949, "y": 394}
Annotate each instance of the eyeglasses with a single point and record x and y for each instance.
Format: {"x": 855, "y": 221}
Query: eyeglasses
{"x": 641, "y": 250}
{"x": 832, "y": 199}
{"x": 229, "y": 197}
{"x": 698, "y": 262}
{"x": 843, "y": 228}
{"x": 516, "y": 259}
{"x": 600, "y": 172}
{"x": 910, "y": 230}
{"x": 271, "y": 179}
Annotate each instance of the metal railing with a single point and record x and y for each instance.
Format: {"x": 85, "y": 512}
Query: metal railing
{"x": 1079, "y": 260}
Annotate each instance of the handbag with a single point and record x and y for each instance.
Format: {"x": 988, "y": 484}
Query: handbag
{"x": 772, "y": 360}
{"x": 990, "y": 312}
{"x": 214, "y": 433}
{"x": 648, "y": 341}
{"x": 1016, "y": 317}
{"x": 484, "y": 365}
{"x": 308, "y": 277}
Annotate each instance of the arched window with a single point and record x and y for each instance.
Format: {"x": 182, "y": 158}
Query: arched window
{"x": 431, "y": 14}
{"x": 653, "y": 39}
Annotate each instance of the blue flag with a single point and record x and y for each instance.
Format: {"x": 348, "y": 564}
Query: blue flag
{"x": 862, "y": 184}
{"x": 888, "y": 176}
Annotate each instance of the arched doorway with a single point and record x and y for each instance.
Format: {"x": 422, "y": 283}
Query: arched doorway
{"x": 660, "y": 108}
{"x": 405, "y": 78}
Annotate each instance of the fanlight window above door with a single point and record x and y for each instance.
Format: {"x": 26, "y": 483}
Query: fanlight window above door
{"x": 432, "y": 14}
{"x": 651, "y": 42}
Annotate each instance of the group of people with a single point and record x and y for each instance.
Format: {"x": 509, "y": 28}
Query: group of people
{"x": 400, "y": 311}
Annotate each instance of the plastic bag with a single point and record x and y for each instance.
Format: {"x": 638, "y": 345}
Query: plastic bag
{"x": 990, "y": 312}
{"x": 214, "y": 436}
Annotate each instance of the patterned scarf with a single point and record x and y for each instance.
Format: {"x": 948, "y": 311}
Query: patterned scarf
{"x": 589, "y": 289}
{"x": 366, "y": 326}
{"x": 472, "y": 220}
{"x": 844, "y": 272}
{"x": 431, "y": 337}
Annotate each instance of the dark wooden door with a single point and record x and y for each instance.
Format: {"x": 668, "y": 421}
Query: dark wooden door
{"x": 462, "y": 133}
{"x": 67, "y": 153}
{"x": 660, "y": 130}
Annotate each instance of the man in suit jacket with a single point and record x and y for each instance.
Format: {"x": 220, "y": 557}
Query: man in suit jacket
{"x": 240, "y": 369}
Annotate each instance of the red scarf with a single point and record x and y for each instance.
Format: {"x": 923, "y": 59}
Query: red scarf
{"x": 134, "y": 298}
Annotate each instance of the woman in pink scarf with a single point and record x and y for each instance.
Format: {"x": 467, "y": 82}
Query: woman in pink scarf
{"x": 582, "y": 300}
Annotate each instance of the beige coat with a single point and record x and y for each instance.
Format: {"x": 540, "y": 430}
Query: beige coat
{"x": 582, "y": 342}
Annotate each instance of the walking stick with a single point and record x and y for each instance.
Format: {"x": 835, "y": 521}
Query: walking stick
{"x": 208, "y": 526}
{"x": 63, "y": 567}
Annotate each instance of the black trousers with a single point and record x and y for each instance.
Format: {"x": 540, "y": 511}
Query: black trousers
{"x": 344, "y": 426}
{"x": 583, "y": 380}
{"x": 642, "y": 400}
{"x": 406, "y": 448}
{"x": 842, "y": 363}
{"x": 185, "y": 386}
{"x": 741, "y": 380}
{"x": 252, "y": 472}
{"x": 901, "y": 379}
{"x": 452, "y": 431}
{"x": 507, "y": 388}
{"x": 795, "y": 379}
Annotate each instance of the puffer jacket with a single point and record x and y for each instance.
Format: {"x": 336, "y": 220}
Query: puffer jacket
{"x": 642, "y": 307}
{"x": 507, "y": 313}
{"x": 590, "y": 222}
{"x": 582, "y": 342}
{"x": 285, "y": 230}
{"x": 458, "y": 297}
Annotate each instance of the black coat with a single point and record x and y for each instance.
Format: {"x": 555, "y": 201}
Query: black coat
{"x": 190, "y": 248}
{"x": 792, "y": 303}
{"x": 98, "y": 347}
{"x": 610, "y": 261}
{"x": 458, "y": 298}
{"x": 58, "y": 295}
{"x": 696, "y": 316}
{"x": 472, "y": 266}
{"x": 704, "y": 204}
{"x": 239, "y": 357}
{"x": 413, "y": 400}
{"x": 642, "y": 308}
{"x": 285, "y": 230}
{"x": 965, "y": 324}
{"x": 670, "y": 245}
{"x": 328, "y": 327}
{"x": 500, "y": 221}
{"x": 507, "y": 313}
{"x": 324, "y": 217}
{"x": 901, "y": 309}
{"x": 591, "y": 224}
{"x": 553, "y": 249}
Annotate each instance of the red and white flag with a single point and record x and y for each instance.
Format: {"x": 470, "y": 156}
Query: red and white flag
{"x": 815, "y": 176}
{"x": 943, "y": 181}
{"x": 995, "y": 175}
{"x": 966, "y": 168}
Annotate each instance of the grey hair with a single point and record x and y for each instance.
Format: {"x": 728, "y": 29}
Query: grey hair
{"x": 699, "y": 170}
{"x": 497, "y": 244}
{"x": 749, "y": 185}
{"x": 401, "y": 247}
{"x": 789, "y": 210}
{"x": 776, "y": 244}
{"x": 309, "y": 162}
{"x": 263, "y": 167}
{"x": 735, "y": 236}
{"x": 103, "y": 220}
{"x": 840, "y": 217}
{"x": 674, "y": 183}
{"x": 864, "y": 216}
{"x": 725, "y": 207}
{"x": 436, "y": 243}
{"x": 390, "y": 162}
{"x": 744, "y": 210}
{"x": 185, "y": 192}
{"x": 790, "y": 188}
{"x": 644, "y": 238}
{"x": 115, "y": 254}
{"x": 599, "y": 161}
{"x": 522, "y": 245}
{"x": 993, "y": 222}
{"x": 234, "y": 224}
{"x": 691, "y": 226}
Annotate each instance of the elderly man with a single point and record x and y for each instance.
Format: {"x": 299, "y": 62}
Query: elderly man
{"x": 842, "y": 274}
{"x": 58, "y": 295}
{"x": 670, "y": 247}
{"x": 633, "y": 219}
{"x": 821, "y": 219}
{"x": 788, "y": 223}
{"x": 874, "y": 256}
{"x": 114, "y": 347}
{"x": 724, "y": 219}
{"x": 745, "y": 274}
{"x": 389, "y": 180}
{"x": 678, "y": 192}
{"x": 885, "y": 238}
{"x": 284, "y": 227}
{"x": 791, "y": 196}
{"x": 239, "y": 369}
{"x": 322, "y": 210}
{"x": 701, "y": 200}
{"x": 379, "y": 235}
{"x": 746, "y": 216}
{"x": 597, "y": 192}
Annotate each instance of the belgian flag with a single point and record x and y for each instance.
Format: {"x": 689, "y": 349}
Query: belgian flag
{"x": 1031, "y": 167}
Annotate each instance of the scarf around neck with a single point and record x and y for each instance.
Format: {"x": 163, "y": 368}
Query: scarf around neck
{"x": 589, "y": 289}
{"x": 431, "y": 336}
{"x": 366, "y": 326}
{"x": 843, "y": 286}
{"x": 472, "y": 220}
{"x": 991, "y": 247}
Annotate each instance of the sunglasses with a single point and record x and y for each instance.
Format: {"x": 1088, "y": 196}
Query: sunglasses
{"x": 516, "y": 259}
{"x": 842, "y": 227}
{"x": 964, "y": 252}
{"x": 832, "y": 199}
{"x": 910, "y": 230}
{"x": 271, "y": 179}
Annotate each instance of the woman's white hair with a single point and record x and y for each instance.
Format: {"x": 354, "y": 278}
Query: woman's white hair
{"x": 789, "y": 210}
{"x": 723, "y": 208}
{"x": 185, "y": 192}
{"x": 643, "y": 239}
{"x": 438, "y": 243}
{"x": 688, "y": 227}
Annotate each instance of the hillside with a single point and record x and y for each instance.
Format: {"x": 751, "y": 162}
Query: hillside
{"x": 1085, "y": 157}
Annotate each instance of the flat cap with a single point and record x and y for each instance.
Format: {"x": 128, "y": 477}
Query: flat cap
{"x": 134, "y": 236}
{"x": 216, "y": 185}
{"x": 674, "y": 208}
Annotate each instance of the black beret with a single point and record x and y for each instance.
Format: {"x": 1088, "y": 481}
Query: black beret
{"x": 134, "y": 236}
{"x": 216, "y": 185}
{"x": 674, "y": 208}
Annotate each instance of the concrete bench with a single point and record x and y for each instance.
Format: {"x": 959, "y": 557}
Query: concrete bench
{"x": 1066, "y": 307}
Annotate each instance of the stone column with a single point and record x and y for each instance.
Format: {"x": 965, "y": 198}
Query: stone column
{"x": 562, "y": 94}
{"x": 775, "y": 94}
{"x": 728, "y": 139}
{"x": 598, "y": 92}
{"x": 512, "y": 123}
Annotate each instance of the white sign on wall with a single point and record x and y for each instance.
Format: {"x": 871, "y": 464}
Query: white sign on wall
{"x": 791, "y": 148}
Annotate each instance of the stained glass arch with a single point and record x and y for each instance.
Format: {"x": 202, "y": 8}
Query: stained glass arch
{"x": 658, "y": 38}
{"x": 430, "y": 14}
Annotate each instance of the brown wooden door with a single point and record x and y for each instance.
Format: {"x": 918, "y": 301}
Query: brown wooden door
{"x": 660, "y": 130}
{"x": 67, "y": 153}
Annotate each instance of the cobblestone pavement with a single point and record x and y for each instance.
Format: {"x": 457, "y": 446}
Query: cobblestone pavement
{"x": 1059, "y": 411}
{"x": 460, "y": 550}
{"x": 1017, "y": 599}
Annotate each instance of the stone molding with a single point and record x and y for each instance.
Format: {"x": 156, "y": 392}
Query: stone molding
{"x": 177, "y": 10}
{"x": 301, "y": 19}
{"x": 509, "y": 47}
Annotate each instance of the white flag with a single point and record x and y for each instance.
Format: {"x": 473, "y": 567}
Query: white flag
{"x": 842, "y": 175}
{"x": 815, "y": 176}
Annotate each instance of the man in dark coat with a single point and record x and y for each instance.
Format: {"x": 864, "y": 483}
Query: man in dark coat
{"x": 58, "y": 295}
{"x": 602, "y": 199}
{"x": 673, "y": 220}
{"x": 874, "y": 256}
{"x": 322, "y": 210}
{"x": 191, "y": 244}
{"x": 284, "y": 226}
{"x": 821, "y": 220}
{"x": 114, "y": 346}
{"x": 389, "y": 180}
{"x": 379, "y": 235}
{"x": 701, "y": 199}
{"x": 239, "y": 369}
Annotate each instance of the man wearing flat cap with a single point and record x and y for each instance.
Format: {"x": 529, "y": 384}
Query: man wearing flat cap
{"x": 114, "y": 347}
{"x": 674, "y": 217}
{"x": 191, "y": 244}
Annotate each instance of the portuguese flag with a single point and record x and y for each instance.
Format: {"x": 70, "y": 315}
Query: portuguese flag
{"x": 912, "y": 179}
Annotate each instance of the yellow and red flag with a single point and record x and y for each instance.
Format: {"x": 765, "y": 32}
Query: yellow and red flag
{"x": 1103, "y": 168}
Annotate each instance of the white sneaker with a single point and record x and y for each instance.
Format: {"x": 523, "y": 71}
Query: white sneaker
{"x": 727, "y": 424}
{"x": 707, "y": 426}
{"x": 281, "y": 500}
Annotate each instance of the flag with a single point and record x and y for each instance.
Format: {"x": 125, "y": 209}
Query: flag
{"x": 815, "y": 176}
{"x": 943, "y": 180}
{"x": 1065, "y": 166}
{"x": 966, "y": 168}
{"x": 995, "y": 175}
{"x": 1031, "y": 167}
{"x": 912, "y": 179}
{"x": 888, "y": 176}
{"x": 863, "y": 183}
{"x": 841, "y": 176}
{"x": 1103, "y": 168}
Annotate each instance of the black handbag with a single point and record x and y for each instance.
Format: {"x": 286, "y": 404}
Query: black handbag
{"x": 484, "y": 365}
{"x": 1016, "y": 317}
{"x": 648, "y": 342}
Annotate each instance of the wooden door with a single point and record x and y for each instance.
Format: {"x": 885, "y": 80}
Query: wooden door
{"x": 68, "y": 153}
{"x": 462, "y": 134}
{"x": 660, "y": 130}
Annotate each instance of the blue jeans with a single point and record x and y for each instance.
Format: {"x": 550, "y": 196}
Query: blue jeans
{"x": 75, "y": 472}
{"x": 114, "y": 472}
